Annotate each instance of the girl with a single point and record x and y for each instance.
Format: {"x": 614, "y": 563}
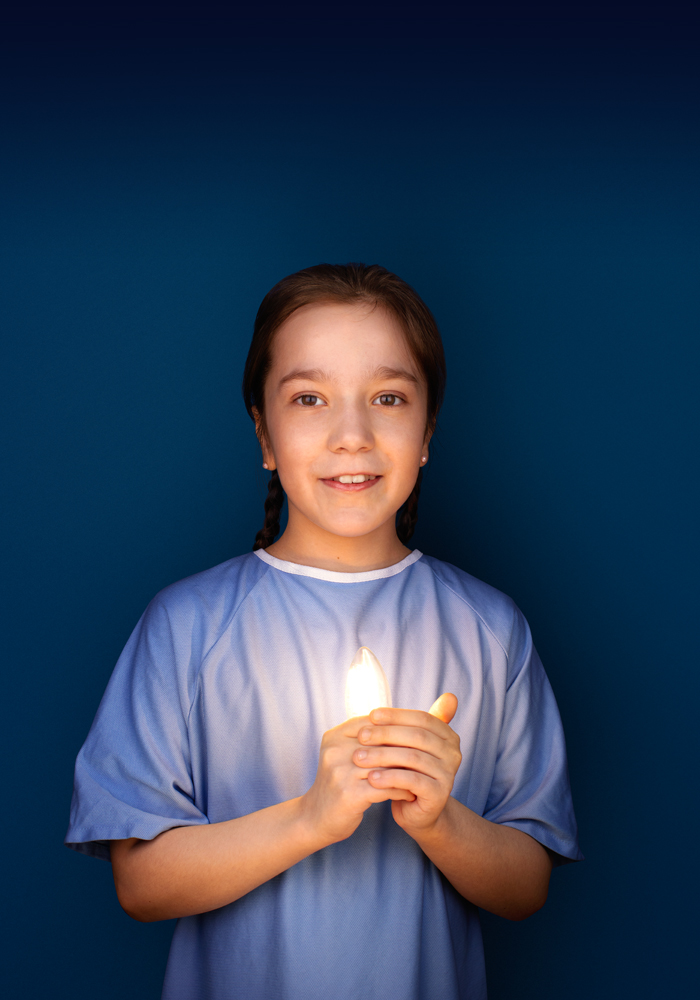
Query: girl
{"x": 356, "y": 872}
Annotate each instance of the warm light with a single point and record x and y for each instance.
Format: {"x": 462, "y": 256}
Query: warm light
{"x": 366, "y": 687}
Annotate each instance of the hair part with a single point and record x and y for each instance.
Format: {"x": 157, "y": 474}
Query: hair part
{"x": 343, "y": 283}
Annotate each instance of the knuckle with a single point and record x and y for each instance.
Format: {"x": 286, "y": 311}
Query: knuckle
{"x": 414, "y": 757}
{"x": 419, "y": 738}
{"x": 331, "y": 758}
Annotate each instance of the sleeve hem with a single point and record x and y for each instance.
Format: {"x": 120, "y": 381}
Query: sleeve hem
{"x": 560, "y": 853}
{"x": 98, "y": 846}
{"x": 92, "y": 848}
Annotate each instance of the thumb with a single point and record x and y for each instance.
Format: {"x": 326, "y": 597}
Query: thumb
{"x": 445, "y": 707}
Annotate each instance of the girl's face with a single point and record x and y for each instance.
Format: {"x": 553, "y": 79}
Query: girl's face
{"x": 344, "y": 397}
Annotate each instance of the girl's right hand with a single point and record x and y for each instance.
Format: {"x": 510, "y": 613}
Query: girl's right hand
{"x": 334, "y": 805}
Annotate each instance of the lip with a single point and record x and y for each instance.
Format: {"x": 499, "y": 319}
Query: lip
{"x": 352, "y": 487}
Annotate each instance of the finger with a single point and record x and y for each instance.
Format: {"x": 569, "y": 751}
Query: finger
{"x": 420, "y": 784}
{"x": 395, "y": 794}
{"x": 415, "y": 737}
{"x": 409, "y": 717}
{"x": 445, "y": 707}
{"x": 350, "y": 727}
{"x": 400, "y": 757}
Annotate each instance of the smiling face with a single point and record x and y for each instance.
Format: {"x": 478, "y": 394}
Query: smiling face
{"x": 343, "y": 398}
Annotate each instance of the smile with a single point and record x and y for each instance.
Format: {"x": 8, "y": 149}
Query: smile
{"x": 351, "y": 484}
{"x": 361, "y": 478}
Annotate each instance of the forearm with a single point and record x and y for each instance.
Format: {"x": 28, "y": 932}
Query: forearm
{"x": 194, "y": 869}
{"x": 493, "y": 866}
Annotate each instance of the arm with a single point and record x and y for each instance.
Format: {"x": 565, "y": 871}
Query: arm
{"x": 498, "y": 868}
{"x": 494, "y": 866}
{"x": 194, "y": 869}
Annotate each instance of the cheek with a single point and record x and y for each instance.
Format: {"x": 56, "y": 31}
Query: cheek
{"x": 297, "y": 440}
{"x": 405, "y": 442}
{"x": 296, "y": 444}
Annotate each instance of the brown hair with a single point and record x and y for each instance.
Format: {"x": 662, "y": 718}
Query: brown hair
{"x": 343, "y": 283}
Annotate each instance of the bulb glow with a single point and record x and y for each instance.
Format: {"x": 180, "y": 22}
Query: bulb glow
{"x": 366, "y": 687}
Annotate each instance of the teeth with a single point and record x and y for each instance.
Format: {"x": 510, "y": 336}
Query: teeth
{"x": 353, "y": 479}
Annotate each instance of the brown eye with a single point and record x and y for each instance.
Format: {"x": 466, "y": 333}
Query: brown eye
{"x": 388, "y": 399}
{"x": 308, "y": 400}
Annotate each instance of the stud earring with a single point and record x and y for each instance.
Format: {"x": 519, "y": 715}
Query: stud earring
{"x": 424, "y": 459}
{"x": 264, "y": 465}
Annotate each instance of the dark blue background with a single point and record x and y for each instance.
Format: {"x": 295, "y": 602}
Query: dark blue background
{"x": 537, "y": 181}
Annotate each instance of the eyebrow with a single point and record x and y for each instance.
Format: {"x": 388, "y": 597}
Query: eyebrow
{"x": 318, "y": 375}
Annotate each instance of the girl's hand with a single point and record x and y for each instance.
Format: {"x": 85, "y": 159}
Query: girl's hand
{"x": 334, "y": 805}
{"x": 417, "y": 752}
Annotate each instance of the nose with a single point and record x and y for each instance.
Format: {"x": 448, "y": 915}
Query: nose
{"x": 351, "y": 429}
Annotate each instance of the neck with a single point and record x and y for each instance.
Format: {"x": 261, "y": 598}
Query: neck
{"x": 309, "y": 545}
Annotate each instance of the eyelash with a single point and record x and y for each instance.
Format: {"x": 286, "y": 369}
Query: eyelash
{"x": 383, "y": 395}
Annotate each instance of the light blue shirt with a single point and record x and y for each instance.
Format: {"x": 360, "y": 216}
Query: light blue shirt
{"x": 216, "y": 709}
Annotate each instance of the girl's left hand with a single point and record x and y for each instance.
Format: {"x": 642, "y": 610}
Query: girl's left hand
{"x": 417, "y": 751}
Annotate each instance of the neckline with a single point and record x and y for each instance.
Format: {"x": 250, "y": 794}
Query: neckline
{"x": 333, "y": 576}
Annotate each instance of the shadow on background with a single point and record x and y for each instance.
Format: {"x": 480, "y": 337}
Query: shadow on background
{"x": 539, "y": 189}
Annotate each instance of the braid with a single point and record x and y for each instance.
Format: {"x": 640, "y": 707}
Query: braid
{"x": 273, "y": 509}
{"x": 409, "y": 513}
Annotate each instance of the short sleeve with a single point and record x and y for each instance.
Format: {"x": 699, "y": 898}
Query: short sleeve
{"x": 133, "y": 776}
{"x": 530, "y": 788}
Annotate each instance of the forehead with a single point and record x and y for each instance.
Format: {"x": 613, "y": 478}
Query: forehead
{"x": 342, "y": 338}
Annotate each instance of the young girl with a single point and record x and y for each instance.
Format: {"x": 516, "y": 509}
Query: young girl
{"x": 356, "y": 871}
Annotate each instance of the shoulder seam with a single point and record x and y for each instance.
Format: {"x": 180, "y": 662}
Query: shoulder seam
{"x": 218, "y": 636}
{"x": 479, "y": 616}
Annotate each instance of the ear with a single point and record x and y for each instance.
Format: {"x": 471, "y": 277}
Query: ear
{"x": 267, "y": 454}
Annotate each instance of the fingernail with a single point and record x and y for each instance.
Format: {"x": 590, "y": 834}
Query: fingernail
{"x": 366, "y": 734}
{"x": 377, "y": 716}
{"x": 361, "y": 754}
{"x": 375, "y": 775}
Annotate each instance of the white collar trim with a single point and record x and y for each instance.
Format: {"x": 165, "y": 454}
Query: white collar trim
{"x": 334, "y": 577}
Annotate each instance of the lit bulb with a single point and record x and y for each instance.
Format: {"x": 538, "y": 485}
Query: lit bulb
{"x": 366, "y": 687}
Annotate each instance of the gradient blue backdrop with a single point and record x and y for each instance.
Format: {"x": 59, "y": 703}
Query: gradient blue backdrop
{"x": 540, "y": 190}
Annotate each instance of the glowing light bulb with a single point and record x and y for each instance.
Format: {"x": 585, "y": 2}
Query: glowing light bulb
{"x": 366, "y": 687}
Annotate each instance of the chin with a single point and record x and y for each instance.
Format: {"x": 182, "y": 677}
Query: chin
{"x": 350, "y": 529}
{"x": 350, "y": 533}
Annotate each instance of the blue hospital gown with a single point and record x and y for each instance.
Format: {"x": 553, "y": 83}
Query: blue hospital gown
{"x": 216, "y": 709}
